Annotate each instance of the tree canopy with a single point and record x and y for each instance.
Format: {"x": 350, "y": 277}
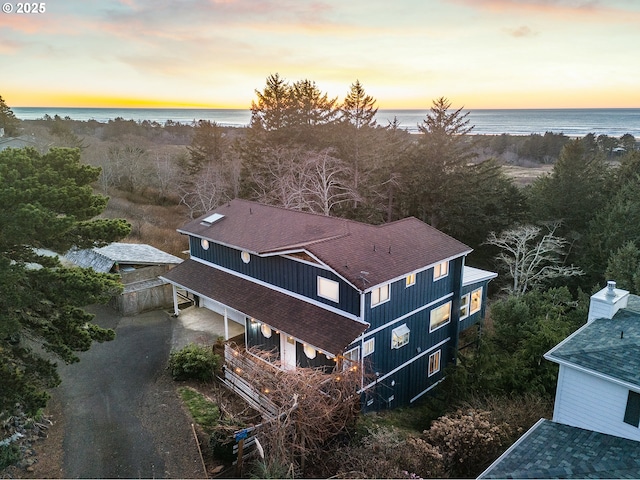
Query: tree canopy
{"x": 41, "y": 316}
{"x": 8, "y": 120}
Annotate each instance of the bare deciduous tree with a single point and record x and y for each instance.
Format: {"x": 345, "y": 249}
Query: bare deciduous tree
{"x": 303, "y": 180}
{"x": 531, "y": 259}
{"x": 205, "y": 192}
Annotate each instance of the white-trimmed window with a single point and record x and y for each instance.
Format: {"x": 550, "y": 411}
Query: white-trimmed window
{"x": 476, "y": 300}
{"x": 410, "y": 279}
{"x": 204, "y": 243}
{"x": 380, "y": 295}
{"x": 440, "y": 316}
{"x": 328, "y": 289}
{"x": 368, "y": 347}
{"x": 441, "y": 270}
{"x": 400, "y": 336}
{"x": 464, "y": 306}
{"x": 434, "y": 362}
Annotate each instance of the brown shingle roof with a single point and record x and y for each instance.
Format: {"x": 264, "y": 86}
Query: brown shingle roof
{"x": 384, "y": 251}
{"x": 321, "y": 328}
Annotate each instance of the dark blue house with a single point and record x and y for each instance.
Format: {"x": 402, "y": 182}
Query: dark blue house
{"x": 323, "y": 291}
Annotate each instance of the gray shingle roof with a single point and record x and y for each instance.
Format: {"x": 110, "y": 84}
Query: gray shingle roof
{"x": 384, "y": 251}
{"x": 598, "y": 346}
{"x": 554, "y": 450}
{"x": 102, "y": 259}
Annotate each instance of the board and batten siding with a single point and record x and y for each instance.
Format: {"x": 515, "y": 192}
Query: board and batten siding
{"x": 480, "y": 314}
{"x": 287, "y": 273}
{"x": 403, "y": 299}
{"x": 593, "y": 403}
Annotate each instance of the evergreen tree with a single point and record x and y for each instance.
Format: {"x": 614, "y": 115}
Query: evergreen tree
{"x": 8, "y": 120}
{"x": 52, "y": 207}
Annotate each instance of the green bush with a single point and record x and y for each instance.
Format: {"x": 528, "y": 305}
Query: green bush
{"x": 193, "y": 362}
{"x": 9, "y": 454}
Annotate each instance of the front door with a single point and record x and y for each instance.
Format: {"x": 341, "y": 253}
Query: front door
{"x": 288, "y": 349}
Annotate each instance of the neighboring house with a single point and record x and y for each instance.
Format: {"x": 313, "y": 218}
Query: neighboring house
{"x": 595, "y": 430}
{"x": 139, "y": 267}
{"x": 18, "y": 142}
{"x": 320, "y": 291}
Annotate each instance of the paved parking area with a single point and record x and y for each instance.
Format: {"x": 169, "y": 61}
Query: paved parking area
{"x": 122, "y": 415}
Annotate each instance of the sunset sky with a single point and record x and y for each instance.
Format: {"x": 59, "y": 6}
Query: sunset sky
{"x": 216, "y": 53}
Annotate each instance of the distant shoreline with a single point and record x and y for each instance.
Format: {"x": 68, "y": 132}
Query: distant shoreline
{"x": 573, "y": 122}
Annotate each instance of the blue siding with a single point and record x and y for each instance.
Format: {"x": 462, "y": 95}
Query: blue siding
{"x": 403, "y": 299}
{"x": 412, "y": 379}
{"x": 479, "y": 315}
{"x": 255, "y": 338}
{"x": 292, "y": 275}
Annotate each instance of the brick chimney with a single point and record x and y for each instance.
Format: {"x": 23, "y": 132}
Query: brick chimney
{"x": 606, "y": 302}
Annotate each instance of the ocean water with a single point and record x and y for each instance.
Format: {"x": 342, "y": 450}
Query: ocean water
{"x": 614, "y": 122}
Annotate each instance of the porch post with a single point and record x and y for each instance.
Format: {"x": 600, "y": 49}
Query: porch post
{"x": 226, "y": 325}
{"x": 174, "y": 290}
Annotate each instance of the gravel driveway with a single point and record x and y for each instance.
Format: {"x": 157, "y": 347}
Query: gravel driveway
{"x": 122, "y": 417}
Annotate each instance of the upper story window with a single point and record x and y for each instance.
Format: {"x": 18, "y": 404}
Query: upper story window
{"x": 328, "y": 289}
{"x": 204, "y": 243}
{"x": 441, "y": 270}
{"x": 476, "y": 300}
{"x": 434, "y": 362}
{"x": 440, "y": 316}
{"x": 400, "y": 336}
{"x": 379, "y": 295}
{"x": 410, "y": 279}
{"x": 464, "y": 306}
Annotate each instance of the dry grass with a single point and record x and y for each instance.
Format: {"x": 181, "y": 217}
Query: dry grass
{"x": 152, "y": 224}
{"x": 523, "y": 176}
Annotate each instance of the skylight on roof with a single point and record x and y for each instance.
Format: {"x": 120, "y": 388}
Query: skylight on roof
{"x": 212, "y": 218}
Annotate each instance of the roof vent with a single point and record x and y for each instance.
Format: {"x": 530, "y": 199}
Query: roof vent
{"x": 211, "y": 219}
{"x": 611, "y": 288}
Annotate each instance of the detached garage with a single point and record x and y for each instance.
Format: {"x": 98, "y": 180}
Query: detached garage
{"x": 139, "y": 266}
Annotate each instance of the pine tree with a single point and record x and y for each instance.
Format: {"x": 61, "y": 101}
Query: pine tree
{"x": 52, "y": 207}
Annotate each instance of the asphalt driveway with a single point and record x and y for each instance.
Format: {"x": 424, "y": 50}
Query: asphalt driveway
{"x": 122, "y": 415}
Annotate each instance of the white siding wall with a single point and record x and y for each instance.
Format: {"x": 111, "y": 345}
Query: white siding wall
{"x": 592, "y": 403}
{"x": 219, "y": 308}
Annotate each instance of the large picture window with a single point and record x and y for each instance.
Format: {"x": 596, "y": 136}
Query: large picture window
{"x": 328, "y": 289}
{"x": 379, "y": 295}
{"x": 440, "y": 316}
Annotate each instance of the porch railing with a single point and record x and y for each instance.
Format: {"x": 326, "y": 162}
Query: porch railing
{"x": 237, "y": 362}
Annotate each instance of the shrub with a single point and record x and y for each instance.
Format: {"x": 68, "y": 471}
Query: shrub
{"x": 9, "y": 455}
{"x": 466, "y": 439}
{"x": 193, "y": 362}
